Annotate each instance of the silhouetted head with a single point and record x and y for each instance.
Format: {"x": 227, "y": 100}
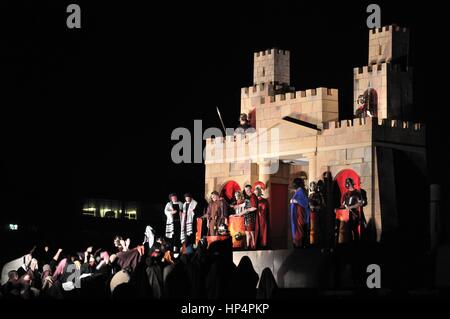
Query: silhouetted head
{"x": 243, "y": 119}
{"x": 320, "y": 186}
{"x": 13, "y": 275}
{"x": 298, "y": 183}
{"x": 326, "y": 176}
{"x": 349, "y": 183}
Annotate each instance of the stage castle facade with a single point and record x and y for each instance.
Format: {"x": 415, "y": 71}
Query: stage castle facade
{"x": 378, "y": 145}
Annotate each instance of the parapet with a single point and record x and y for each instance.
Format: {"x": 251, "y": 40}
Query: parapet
{"x": 406, "y": 125}
{"x": 387, "y": 28}
{"x": 270, "y": 52}
{"x": 385, "y": 125}
{"x": 363, "y": 71}
{"x": 357, "y": 122}
{"x": 256, "y": 89}
{"x": 302, "y": 96}
{"x": 379, "y": 68}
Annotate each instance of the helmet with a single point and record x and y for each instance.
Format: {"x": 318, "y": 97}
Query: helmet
{"x": 349, "y": 182}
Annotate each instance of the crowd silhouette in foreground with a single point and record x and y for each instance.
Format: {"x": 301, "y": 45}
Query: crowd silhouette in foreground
{"x": 153, "y": 270}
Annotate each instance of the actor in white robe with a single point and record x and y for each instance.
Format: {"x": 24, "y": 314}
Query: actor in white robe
{"x": 173, "y": 212}
{"x": 187, "y": 218}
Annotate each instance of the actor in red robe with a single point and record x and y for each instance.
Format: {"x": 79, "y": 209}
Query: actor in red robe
{"x": 250, "y": 210}
{"x": 262, "y": 220}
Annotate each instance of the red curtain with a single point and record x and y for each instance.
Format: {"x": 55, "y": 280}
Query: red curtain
{"x": 260, "y": 184}
{"x": 229, "y": 189}
{"x": 343, "y": 175}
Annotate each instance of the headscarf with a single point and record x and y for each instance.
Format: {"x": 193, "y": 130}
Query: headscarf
{"x": 149, "y": 236}
{"x": 267, "y": 285}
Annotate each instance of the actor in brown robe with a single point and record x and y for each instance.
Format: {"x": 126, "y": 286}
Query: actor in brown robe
{"x": 215, "y": 213}
{"x": 262, "y": 220}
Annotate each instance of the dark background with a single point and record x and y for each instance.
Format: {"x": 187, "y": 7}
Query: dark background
{"x": 89, "y": 113}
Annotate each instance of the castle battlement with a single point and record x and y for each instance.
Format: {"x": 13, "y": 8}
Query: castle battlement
{"x": 402, "y": 125}
{"x": 374, "y": 69}
{"x": 256, "y": 89}
{"x": 303, "y": 96}
{"x": 270, "y": 52}
{"x": 387, "y": 28}
{"x": 363, "y": 71}
{"x": 399, "y": 125}
{"x": 357, "y": 122}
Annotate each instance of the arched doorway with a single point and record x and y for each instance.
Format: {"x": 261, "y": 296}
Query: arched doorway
{"x": 252, "y": 117}
{"x": 228, "y": 190}
{"x": 260, "y": 184}
{"x": 343, "y": 175}
{"x": 371, "y": 98}
{"x": 342, "y": 215}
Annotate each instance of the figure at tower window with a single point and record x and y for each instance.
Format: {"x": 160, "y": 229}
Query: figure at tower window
{"x": 367, "y": 104}
{"x": 244, "y": 124}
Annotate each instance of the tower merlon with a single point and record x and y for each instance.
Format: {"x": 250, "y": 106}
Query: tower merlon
{"x": 401, "y": 125}
{"x": 387, "y": 28}
{"x": 270, "y": 52}
{"x": 305, "y": 95}
{"x": 389, "y": 43}
{"x": 362, "y": 71}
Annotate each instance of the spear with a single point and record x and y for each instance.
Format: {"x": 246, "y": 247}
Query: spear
{"x": 220, "y": 117}
{"x": 368, "y": 100}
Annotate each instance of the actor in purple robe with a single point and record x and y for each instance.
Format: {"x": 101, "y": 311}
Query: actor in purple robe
{"x": 299, "y": 214}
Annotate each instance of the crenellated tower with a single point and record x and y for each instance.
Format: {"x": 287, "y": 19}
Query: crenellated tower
{"x": 386, "y": 83}
{"x": 271, "y": 65}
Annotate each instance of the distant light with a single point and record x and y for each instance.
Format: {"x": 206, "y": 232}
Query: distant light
{"x": 13, "y": 227}
{"x": 90, "y": 209}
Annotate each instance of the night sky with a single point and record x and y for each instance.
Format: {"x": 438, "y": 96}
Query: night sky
{"x": 89, "y": 113}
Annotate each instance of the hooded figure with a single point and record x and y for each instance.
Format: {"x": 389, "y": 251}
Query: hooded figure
{"x": 246, "y": 279}
{"x": 154, "y": 276}
{"x": 267, "y": 285}
{"x": 149, "y": 237}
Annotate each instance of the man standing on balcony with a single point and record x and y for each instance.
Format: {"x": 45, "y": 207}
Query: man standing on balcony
{"x": 188, "y": 219}
{"x": 216, "y": 213}
{"x": 173, "y": 212}
{"x": 262, "y": 219}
